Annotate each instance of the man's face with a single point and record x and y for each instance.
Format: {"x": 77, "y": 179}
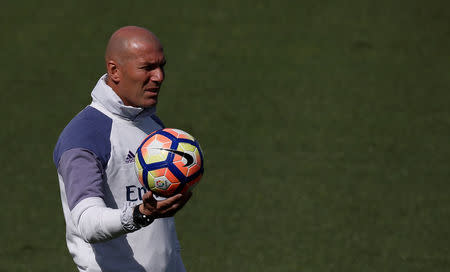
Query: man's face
{"x": 142, "y": 74}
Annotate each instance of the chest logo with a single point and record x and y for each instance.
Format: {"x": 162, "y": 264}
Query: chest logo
{"x": 130, "y": 157}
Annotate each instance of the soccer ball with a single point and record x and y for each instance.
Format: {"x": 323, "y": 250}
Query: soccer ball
{"x": 169, "y": 161}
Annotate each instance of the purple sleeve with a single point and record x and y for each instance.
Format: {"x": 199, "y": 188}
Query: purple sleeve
{"x": 82, "y": 174}
{"x": 90, "y": 130}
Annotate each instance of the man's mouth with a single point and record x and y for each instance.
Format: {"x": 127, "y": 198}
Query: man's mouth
{"x": 152, "y": 90}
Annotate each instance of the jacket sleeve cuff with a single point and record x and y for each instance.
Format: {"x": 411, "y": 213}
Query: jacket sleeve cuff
{"x": 126, "y": 217}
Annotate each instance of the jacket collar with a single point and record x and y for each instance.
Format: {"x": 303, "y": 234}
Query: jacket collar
{"x": 104, "y": 94}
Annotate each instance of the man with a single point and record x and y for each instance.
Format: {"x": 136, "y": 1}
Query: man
{"x": 112, "y": 223}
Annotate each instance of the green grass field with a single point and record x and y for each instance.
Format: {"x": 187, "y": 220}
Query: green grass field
{"x": 325, "y": 127}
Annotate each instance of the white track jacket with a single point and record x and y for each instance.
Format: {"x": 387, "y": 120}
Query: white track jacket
{"x": 94, "y": 157}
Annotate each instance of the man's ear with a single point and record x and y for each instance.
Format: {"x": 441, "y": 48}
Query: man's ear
{"x": 113, "y": 71}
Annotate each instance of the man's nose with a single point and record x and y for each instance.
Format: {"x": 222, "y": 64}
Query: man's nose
{"x": 157, "y": 75}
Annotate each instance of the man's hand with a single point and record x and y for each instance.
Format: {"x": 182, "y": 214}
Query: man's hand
{"x": 164, "y": 208}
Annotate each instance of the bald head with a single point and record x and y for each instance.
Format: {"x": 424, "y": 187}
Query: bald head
{"x": 127, "y": 41}
{"x": 135, "y": 65}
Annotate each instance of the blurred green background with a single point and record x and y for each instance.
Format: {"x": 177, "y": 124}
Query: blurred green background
{"x": 325, "y": 127}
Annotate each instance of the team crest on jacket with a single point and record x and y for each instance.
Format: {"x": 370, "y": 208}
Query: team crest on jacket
{"x": 130, "y": 157}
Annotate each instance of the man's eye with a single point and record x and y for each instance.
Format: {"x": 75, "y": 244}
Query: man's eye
{"x": 153, "y": 67}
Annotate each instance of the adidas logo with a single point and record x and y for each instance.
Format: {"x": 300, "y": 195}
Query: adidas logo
{"x": 130, "y": 157}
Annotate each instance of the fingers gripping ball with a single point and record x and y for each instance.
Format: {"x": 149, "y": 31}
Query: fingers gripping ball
{"x": 169, "y": 161}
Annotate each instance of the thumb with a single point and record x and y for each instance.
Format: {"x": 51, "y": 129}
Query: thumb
{"x": 148, "y": 197}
